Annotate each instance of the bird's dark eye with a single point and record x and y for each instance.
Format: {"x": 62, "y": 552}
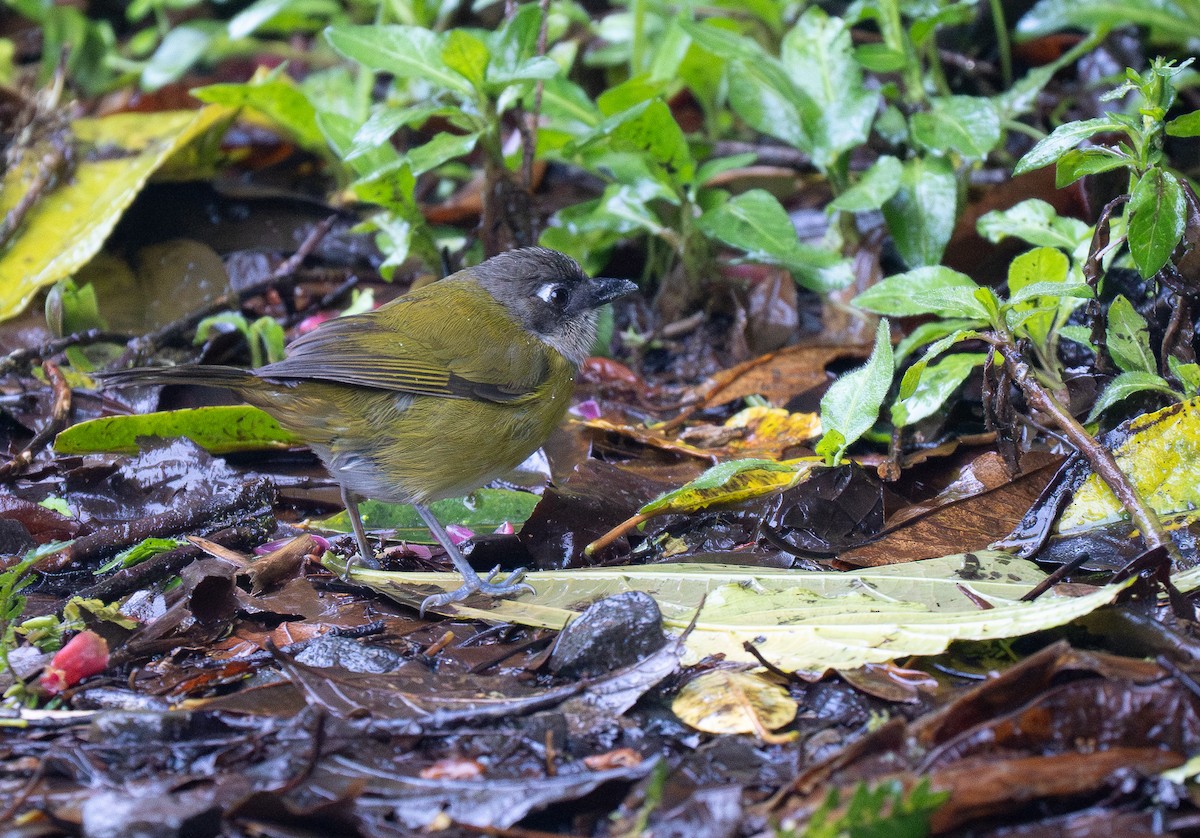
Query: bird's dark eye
{"x": 556, "y": 295}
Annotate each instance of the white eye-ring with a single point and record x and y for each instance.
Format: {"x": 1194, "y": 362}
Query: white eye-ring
{"x": 554, "y": 294}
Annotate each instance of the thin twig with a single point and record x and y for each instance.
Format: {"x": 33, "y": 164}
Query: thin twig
{"x": 1055, "y": 577}
{"x": 58, "y": 419}
{"x": 1101, "y": 460}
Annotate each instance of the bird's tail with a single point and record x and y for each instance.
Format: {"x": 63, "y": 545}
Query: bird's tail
{"x": 208, "y": 375}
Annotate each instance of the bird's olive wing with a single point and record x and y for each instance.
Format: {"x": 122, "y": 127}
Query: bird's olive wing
{"x": 454, "y": 343}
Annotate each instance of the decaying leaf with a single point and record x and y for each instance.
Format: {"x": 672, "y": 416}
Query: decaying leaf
{"x": 1161, "y": 455}
{"x": 727, "y": 701}
{"x": 796, "y": 620}
{"x": 117, "y": 155}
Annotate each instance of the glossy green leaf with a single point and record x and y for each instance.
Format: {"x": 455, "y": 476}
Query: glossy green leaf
{"x": 1187, "y": 125}
{"x": 442, "y": 148}
{"x": 760, "y": 90}
{"x": 1036, "y": 222}
{"x": 1048, "y": 16}
{"x": 1187, "y": 373}
{"x": 919, "y": 291}
{"x": 938, "y": 382}
{"x": 797, "y": 620}
{"x": 218, "y": 430}
{"x": 927, "y": 333}
{"x": 756, "y": 223}
{"x": 876, "y": 185}
{"x": 818, "y": 56}
{"x": 851, "y": 405}
{"x": 1077, "y": 163}
{"x": 1061, "y": 140}
{"x": 181, "y": 48}
{"x": 1130, "y": 384}
{"x": 404, "y": 51}
{"x": 466, "y": 55}
{"x": 276, "y": 97}
{"x": 482, "y": 511}
{"x": 1128, "y": 338}
{"x": 922, "y": 213}
{"x": 1159, "y": 212}
{"x": 966, "y": 125}
{"x": 1042, "y": 264}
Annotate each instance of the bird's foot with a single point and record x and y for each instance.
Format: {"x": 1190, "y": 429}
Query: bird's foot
{"x": 509, "y": 586}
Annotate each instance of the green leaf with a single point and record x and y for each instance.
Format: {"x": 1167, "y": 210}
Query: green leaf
{"x": 1077, "y": 163}
{"x": 918, "y": 291}
{"x": 1040, "y": 265}
{"x": 1158, "y": 211}
{"x": 482, "y": 511}
{"x": 1166, "y": 16}
{"x": 1036, "y": 222}
{"x": 182, "y": 47}
{"x": 912, "y": 376}
{"x": 736, "y": 481}
{"x": 466, "y": 55}
{"x": 218, "y": 430}
{"x": 929, "y": 332}
{"x": 876, "y": 185}
{"x": 1187, "y": 125}
{"x": 276, "y": 97}
{"x": 440, "y": 149}
{"x": 1188, "y": 375}
{"x": 756, "y": 223}
{"x": 404, "y": 51}
{"x": 1058, "y": 290}
{"x": 1128, "y": 338}
{"x": 1128, "y": 384}
{"x": 851, "y": 405}
{"x": 938, "y": 382}
{"x": 966, "y": 125}
{"x": 146, "y": 549}
{"x": 880, "y": 58}
{"x": 1061, "y": 140}
{"x": 818, "y": 56}
{"x": 922, "y": 213}
{"x": 807, "y": 621}
{"x": 760, "y": 90}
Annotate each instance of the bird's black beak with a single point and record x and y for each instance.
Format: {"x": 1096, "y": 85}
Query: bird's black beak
{"x": 604, "y": 290}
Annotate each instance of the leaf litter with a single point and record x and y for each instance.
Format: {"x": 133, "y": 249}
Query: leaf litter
{"x": 869, "y": 655}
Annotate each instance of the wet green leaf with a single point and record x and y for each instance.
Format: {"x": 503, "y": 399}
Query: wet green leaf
{"x": 966, "y": 125}
{"x": 937, "y": 384}
{"x": 1077, "y": 163}
{"x": 851, "y": 405}
{"x": 877, "y": 185}
{"x": 1128, "y": 338}
{"x": 1036, "y": 222}
{"x": 219, "y": 430}
{"x": 481, "y": 511}
{"x": 798, "y": 620}
{"x": 404, "y": 51}
{"x": 922, "y": 213}
{"x": 276, "y": 97}
{"x": 756, "y": 223}
{"x": 1158, "y": 213}
{"x": 1061, "y": 140}
{"x": 818, "y": 56}
{"x": 932, "y": 290}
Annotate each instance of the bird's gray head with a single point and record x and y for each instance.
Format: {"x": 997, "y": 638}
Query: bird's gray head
{"x": 551, "y": 296}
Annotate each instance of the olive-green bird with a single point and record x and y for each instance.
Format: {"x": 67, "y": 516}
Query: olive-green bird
{"x": 435, "y": 393}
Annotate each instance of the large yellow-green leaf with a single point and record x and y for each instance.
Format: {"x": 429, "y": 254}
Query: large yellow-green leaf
{"x": 219, "y": 430}
{"x": 1161, "y": 455}
{"x": 67, "y": 226}
{"x": 797, "y": 620}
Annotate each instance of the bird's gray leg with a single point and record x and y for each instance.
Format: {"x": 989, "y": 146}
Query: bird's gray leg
{"x": 360, "y": 533}
{"x": 472, "y": 582}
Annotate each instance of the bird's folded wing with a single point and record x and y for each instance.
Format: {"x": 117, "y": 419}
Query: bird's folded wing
{"x": 429, "y": 345}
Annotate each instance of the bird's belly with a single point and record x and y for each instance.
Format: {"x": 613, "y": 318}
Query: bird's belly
{"x": 406, "y": 449}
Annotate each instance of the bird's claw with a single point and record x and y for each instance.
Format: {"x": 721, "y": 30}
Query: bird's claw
{"x": 510, "y": 586}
